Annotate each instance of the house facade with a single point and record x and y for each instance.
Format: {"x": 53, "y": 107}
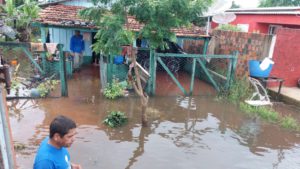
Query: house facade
{"x": 266, "y": 20}
{"x": 284, "y": 22}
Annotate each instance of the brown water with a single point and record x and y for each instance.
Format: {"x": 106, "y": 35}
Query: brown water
{"x": 184, "y": 132}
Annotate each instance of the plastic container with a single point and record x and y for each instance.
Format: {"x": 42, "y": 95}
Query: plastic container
{"x": 256, "y": 71}
{"x": 118, "y": 59}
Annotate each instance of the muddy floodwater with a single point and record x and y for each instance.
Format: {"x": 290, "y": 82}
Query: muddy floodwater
{"x": 184, "y": 132}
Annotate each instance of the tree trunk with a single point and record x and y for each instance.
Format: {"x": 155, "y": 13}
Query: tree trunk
{"x": 137, "y": 85}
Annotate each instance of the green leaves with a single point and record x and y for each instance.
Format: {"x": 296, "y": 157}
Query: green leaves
{"x": 112, "y": 35}
{"x": 114, "y": 90}
{"x": 273, "y": 3}
{"x": 45, "y": 87}
{"x": 115, "y": 119}
{"x": 157, "y": 16}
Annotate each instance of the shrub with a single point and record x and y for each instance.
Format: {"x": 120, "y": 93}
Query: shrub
{"x": 229, "y": 27}
{"x": 45, "y": 87}
{"x": 114, "y": 90}
{"x": 115, "y": 119}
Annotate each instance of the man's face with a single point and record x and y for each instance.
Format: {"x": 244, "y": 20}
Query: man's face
{"x": 77, "y": 33}
{"x": 68, "y": 139}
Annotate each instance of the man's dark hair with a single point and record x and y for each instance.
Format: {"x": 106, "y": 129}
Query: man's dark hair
{"x": 61, "y": 125}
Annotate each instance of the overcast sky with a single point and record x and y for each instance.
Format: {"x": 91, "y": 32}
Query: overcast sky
{"x": 247, "y": 3}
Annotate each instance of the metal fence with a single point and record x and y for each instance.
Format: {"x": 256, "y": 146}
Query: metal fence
{"x": 181, "y": 69}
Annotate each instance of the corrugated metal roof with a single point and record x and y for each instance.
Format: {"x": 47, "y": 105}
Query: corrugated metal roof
{"x": 267, "y": 11}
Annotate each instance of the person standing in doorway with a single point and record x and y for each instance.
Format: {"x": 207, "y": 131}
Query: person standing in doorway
{"x": 53, "y": 153}
{"x": 77, "y": 48}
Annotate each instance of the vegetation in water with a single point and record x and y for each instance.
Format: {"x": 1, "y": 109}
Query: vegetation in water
{"x": 115, "y": 119}
{"x": 265, "y": 113}
{"x": 45, "y": 87}
{"x": 114, "y": 90}
{"x": 289, "y": 122}
{"x": 240, "y": 90}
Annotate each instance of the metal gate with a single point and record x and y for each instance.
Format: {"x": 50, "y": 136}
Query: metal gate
{"x": 218, "y": 70}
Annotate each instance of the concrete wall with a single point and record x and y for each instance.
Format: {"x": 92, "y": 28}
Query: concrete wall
{"x": 287, "y": 56}
{"x": 249, "y": 45}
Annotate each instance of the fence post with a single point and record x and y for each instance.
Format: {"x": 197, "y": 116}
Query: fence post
{"x": 6, "y": 144}
{"x": 152, "y": 71}
{"x": 234, "y": 64}
{"x": 193, "y": 76}
{"x": 43, "y": 54}
{"x": 229, "y": 72}
{"x": 62, "y": 71}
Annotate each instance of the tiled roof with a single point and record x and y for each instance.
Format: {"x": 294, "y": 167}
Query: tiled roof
{"x": 62, "y": 15}
{"x": 67, "y": 16}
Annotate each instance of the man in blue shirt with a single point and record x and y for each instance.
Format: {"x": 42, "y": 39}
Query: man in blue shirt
{"x": 53, "y": 153}
{"x": 77, "y": 48}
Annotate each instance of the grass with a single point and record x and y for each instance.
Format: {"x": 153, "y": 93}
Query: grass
{"x": 240, "y": 90}
{"x": 265, "y": 113}
{"x": 289, "y": 122}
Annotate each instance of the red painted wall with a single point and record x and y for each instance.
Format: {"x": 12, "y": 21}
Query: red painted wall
{"x": 262, "y": 22}
{"x": 287, "y": 56}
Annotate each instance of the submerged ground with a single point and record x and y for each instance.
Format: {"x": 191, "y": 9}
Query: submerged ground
{"x": 184, "y": 132}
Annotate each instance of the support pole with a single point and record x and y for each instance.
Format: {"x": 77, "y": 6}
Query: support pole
{"x": 6, "y": 143}
{"x": 193, "y": 76}
{"x": 62, "y": 72}
{"x": 43, "y": 54}
{"x": 229, "y": 72}
{"x": 153, "y": 65}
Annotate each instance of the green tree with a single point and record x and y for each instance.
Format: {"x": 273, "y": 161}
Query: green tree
{"x": 21, "y": 16}
{"x": 273, "y": 3}
{"x": 157, "y": 16}
{"x": 234, "y": 5}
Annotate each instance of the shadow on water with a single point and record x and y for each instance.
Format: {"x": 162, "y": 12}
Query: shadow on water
{"x": 185, "y": 132}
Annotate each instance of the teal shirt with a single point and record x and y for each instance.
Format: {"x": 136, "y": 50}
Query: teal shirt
{"x": 49, "y": 157}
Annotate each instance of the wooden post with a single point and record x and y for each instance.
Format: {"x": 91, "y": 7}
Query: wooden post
{"x": 62, "y": 72}
{"x": 43, "y": 54}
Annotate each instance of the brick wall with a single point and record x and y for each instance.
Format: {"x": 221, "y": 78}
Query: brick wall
{"x": 249, "y": 45}
{"x": 287, "y": 56}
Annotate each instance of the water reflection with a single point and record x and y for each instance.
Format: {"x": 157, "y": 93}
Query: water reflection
{"x": 185, "y": 132}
